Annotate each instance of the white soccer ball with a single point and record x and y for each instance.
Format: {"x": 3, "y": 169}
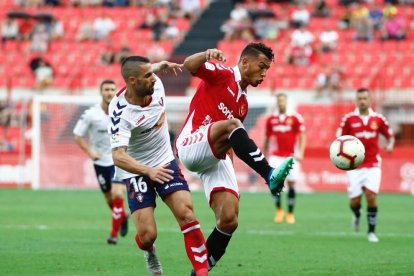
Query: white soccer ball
{"x": 347, "y": 152}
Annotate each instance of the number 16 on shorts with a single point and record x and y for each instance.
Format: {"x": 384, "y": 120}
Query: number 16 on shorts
{"x": 140, "y": 193}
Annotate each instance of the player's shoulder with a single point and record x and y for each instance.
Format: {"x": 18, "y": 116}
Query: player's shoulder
{"x": 378, "y": 115}
{"x": 349, "y": 115}
{"x": 296, "y": 115}
{"x": 219, "y": 68}
{"x": 118, "y": 103}
{"x": 91, "y": 111}
{"x": 158, "y": 87}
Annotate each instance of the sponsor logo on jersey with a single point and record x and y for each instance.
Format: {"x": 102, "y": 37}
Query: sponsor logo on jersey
{"x": 158, "y": 125}
{"x": 366, "y": 134}
{"x": 282, "y": 128}
{"x": 140, "y": 120}
{"x": 210, "y": 66}
{"x": 289, "y": 121}
{"x": 225, "y": 110}
{"x": 116, "y": 137}
{"x": 161, "y": 101}
{"x": 356, "y": 125}
{"x": 374, "y": 125}
{"x": 140, "y": 197}
{"x": 242, "y": 110}
{"x": 207, "y": 120}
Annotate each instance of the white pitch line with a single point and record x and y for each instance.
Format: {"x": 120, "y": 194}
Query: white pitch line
{"x": 242, "y": 232}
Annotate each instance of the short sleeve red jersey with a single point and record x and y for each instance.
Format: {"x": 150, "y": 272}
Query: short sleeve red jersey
{"x": 282, "y": 131}
{"x": 218, "y": 97}
{"x": 367, "y": 129}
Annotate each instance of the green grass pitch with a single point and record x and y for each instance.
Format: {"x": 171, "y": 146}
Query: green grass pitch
{"x": 64, "y": 233}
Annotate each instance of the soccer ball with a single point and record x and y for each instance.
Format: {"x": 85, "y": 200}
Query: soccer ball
{"x": 347, "y": 152}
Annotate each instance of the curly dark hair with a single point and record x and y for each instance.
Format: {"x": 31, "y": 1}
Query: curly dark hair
{"x": 254, "y": 49}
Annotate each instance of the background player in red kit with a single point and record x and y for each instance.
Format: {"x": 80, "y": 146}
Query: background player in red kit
{"x": 366, "y": 125}
{"x": 283, "y": 130}
{"x": 213, "y": 127}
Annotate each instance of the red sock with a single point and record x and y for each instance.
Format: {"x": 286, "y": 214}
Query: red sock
{"x": 195, "y": 246}
{"x": 140, "y": 245}
{"x": 118, "y": 215}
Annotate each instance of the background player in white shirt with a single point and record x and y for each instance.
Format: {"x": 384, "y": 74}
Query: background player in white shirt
{"x": 141, "y": 148}
{"x": 366, "y": 125}
{"x": 214, "y": 128}
{"x": 284, "y": 130}
{"x": 94, "y": 123}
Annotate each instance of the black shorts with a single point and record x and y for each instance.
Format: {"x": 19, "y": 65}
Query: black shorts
{"x": 105, "y": 177}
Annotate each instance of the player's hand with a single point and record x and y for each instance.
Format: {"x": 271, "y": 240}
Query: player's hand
{"x": 168, "y": 67}
{"x": 298, "y": 157}
{"x": 215, "y": 54}
{"x": 389, "y": 148}
{"x": 160, "y": 174}
{"x": 94, "y": 155}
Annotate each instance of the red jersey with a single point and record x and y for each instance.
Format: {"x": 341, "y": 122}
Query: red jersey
{"x": 282, "y": 131}
{"x": 367, "y": 129}
{"x": 218, "y": 97}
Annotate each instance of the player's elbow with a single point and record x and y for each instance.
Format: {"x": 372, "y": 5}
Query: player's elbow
{"x": 77, "y": 138}
{"x": 117, "y": 158}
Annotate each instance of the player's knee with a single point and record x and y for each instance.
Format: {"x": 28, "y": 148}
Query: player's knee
{"x": 232, "y": 124}
{"x": 116, "y": 194}
{"x": 146, "y": 239}
{"x": 228, "y": 223}
{"x": 185, "y": 216}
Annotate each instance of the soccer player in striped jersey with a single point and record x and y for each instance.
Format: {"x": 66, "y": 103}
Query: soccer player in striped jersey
{"x": 285, "y": 130}
{"x": 213, "y": 130}
{"x": 366, "y": 125}
{"x": 141, "y": 149}
{"x": 94, "y": 124}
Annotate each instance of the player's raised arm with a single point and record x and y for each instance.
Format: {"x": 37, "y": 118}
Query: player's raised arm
{"x": 166, "y": 67}
{"x": 124, "y": 161}
{"x": 193, "y": 62}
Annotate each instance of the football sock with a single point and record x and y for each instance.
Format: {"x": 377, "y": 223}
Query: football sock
{"x": 356, "y": 210}
{"x": 291, "y": 199}
{"x": 195, "y": 246}
{"x": 247, "y": 150}
{"x": 372, "y": 218}
{"x": 277, "y": 200}
{"x": 216, "y": 246}
{"x": 140, "y": 245}
{"x": 118, "y": 215}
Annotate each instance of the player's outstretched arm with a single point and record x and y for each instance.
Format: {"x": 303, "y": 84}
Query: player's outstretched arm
{"x": 302, "y": 145}
{"x": 86, "y": 148}
{"x": 193, "y": 62}
{"x": 390, "y": 145}
{"x": 124, "y": 161}
{"x": 166, "y": 67}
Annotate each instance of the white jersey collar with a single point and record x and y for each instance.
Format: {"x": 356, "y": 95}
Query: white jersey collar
{"x": 370, "y": 112}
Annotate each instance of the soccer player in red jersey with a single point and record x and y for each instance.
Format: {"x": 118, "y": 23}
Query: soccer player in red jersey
{"x": 283, "y": 130}
{"x": 366, "y": 125}
{"x": 214, "y": 128}
{"x": 94, "y": 124}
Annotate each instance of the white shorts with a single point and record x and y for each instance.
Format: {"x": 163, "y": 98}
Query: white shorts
{"x": 216, "y": 173}
{"x": 369, "y": 178}
{"x": 275, "y": 161}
